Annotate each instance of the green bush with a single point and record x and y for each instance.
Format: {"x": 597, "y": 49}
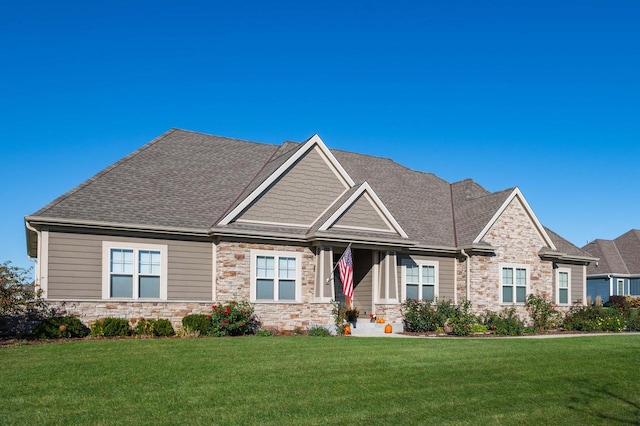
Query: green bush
{"x": 263, "y": 332}
{"x": 110, "y": 327}
{"x": 152, "y": 327}
{"x": 542, "y": 313}
{"x": 633, "y": 320}
{"x": 57, "y": 327}
{"x": 199, "y": 323}
{"x": 163, "y": 328}
{"x": 233, "y": 319}
{"x": 506, "y": 323}
{"x": 594, "y": 318}
{"x": 420, "y": 316}
{"x": 461, "y": 320}
{"x": 423, "y": 316}
{"x": 319, "y": 331}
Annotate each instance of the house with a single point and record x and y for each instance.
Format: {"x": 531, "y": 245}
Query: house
{"x": 192, "y": 219}
{"x": 617, "y": 273}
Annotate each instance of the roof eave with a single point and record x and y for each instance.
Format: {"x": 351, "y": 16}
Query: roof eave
{"x": 38, "y": 221}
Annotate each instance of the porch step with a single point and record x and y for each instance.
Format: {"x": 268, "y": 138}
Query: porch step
{"x": 373, "y": 329}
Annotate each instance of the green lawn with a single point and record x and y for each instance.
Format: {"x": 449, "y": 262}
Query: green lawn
{"x": 306, "y": 380}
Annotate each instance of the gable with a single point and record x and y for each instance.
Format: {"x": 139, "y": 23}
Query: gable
{"x": 509, "y": 223}
{"x": 363, "y": 210}
{"x": 300, "y": 195}
{"x": 515, "y": 232}
{"x": 363, "y": 215}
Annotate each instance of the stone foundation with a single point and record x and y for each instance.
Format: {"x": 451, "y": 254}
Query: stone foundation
{"x": 285, "y": 317}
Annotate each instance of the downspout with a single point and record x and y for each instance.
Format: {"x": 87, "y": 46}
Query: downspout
{"x": 468, "y": 275}
{"x": 36, "y": 271}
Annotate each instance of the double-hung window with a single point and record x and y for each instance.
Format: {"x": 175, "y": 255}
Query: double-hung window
{"x": 275, "y": 276}
{"x": 563, "y": 286}
{"x": 421, "y": 280}
{"x": 514, "y": 283}
{"x": 134, "y": 271}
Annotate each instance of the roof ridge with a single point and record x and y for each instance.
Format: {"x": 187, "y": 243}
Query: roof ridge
{"x": 391, "y": 160}
{"x": 103, "y": 172}
{"x": 620, "y": 256}
{"x": 221, "y": 137}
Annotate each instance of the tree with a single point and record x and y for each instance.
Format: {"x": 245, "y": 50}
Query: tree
{"x": 20, "y": 303}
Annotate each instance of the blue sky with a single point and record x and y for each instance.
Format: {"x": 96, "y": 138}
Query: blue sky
{"x": 540, "y": 95}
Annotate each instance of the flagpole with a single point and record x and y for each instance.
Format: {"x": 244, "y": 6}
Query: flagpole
{"x": 337, "y": 263}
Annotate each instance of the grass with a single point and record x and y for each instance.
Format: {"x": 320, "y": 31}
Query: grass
{"x": 305, "y": 380}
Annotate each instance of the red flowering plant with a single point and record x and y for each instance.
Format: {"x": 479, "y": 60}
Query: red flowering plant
{"x": 233, "y": 319}
{"x": 542, "y": 312}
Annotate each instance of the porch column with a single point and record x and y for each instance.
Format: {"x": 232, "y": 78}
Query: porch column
{"x": 324, "y": 264}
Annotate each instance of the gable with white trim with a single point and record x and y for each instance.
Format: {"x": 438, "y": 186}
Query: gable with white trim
{"x": 363, "y": 211}
{"x": 526, "y": 216}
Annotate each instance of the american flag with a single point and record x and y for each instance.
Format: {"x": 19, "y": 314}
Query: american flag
{"x": 346, "y": 273}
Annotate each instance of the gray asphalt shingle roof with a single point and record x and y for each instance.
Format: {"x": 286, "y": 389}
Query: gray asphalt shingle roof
{"x": 619, "y": 256}
{"x": 190, "y": 180}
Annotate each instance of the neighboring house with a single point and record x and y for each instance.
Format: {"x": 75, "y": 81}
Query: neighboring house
{"x": 617, "y": 273}
{"x": 190, "y": 219}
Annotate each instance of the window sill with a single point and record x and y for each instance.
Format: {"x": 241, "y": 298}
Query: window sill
{"x": 275, "y": 302}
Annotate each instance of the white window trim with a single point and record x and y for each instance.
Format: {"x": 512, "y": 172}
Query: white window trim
{"x": 420, "y": 263}
{"x": 618, "y": 282}
{"x": 107, "y": 246}
{"x": 514, "y": 266}
{"x": 276, "y": 255}
{"x": 568, "y": 272}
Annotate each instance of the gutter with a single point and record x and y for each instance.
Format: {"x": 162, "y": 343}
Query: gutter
{"x": 117, "y": 226}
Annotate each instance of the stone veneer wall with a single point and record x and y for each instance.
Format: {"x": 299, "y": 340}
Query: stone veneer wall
{"x": 390, "y": 313}
{"x": 517, "y": 241}
{"x": 233, "y": 280}
{"x": 90, "y": 311}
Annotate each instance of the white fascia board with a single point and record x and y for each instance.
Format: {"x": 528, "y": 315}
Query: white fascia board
{"x": 306, "y": 147}
{"x": 385, "y": 213}
{"x": 516, "y": 193}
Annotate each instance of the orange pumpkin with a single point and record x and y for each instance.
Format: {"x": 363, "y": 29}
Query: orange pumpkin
{"x": 388, "y": 328}
{"x": 347, "y": 330}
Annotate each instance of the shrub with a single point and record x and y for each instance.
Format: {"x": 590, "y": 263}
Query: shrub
{"x": 57, "y": 327}
{"x": 594, "y": 318}
{"x": 319, "y": 331}
{"x": 197, "y": 323}
{"x": 542, "y": 313}
{"x": 110, "y": 327}
{"x": 233, "y": 319}
{"x": 633, "y": 320}
{"x": 420, "y": 316}
{"x": 163, "y": 328}
{"x": 460, "y": 319}
{"x": 151, "y": 327}
{"x": 506, "y": 323}
{"x": 21, "y": 307}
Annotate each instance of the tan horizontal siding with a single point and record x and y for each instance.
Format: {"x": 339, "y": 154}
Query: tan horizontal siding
{"x": 75, "y": 266}
{"x": 446, "y": 278}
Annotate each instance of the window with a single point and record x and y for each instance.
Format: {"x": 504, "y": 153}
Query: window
{"x": 275, "y": 276}
{"x": 514, "y": 283}
{"x": 421, "y": 280}
{"x": 620, "y": 285}
{"x": 134, "y": 271}
{"x": 563, "y": 278}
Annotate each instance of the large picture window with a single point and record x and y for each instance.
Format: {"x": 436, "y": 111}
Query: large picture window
{"x": 134, "y": 271}
{"x": 275, "y": 276}
{"x": 514, "y": 283}
{"x": 421, "y": 280}
{"x": 563, "y": 286}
